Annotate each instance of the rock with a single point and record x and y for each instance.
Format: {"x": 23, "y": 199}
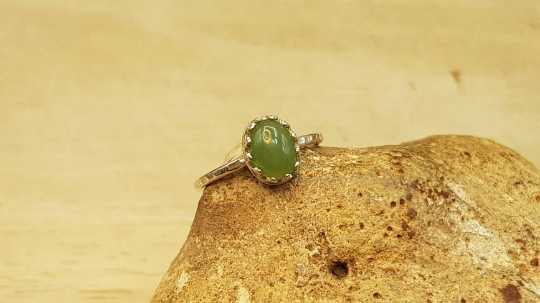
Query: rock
{"x": 444, "y": 219}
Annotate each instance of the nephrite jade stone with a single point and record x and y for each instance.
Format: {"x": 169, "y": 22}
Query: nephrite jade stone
{"x": 272, "y": 149}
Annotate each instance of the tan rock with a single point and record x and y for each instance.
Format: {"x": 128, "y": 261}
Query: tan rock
{"x": 444, "y": 219}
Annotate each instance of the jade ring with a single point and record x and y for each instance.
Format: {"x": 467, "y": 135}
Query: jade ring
{"x": 270, "y": 150}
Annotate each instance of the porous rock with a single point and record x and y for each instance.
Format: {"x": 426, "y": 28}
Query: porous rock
{"x": 443, "y": 219}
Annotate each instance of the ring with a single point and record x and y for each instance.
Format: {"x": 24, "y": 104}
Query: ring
{"x": 270, "y": 150}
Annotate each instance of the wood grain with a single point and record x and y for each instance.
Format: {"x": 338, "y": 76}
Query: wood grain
{"x": 110, "y": 110}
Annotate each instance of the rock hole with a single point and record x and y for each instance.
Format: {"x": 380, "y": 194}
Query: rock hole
{"x": 401, "y": 201}
{"x": 361, "y": 225}
{"x": 339, "y": 269}
{"x": 535, "y": 262}
{"x": 377, "y": 295}
{"x": 393, "y": 204}
{"x": 463, "y": 300}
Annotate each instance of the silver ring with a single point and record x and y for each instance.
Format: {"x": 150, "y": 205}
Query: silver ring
{"x": 270, "y": 150}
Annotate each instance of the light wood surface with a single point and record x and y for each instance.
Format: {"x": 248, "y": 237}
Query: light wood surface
{"x": 109, "y": 110}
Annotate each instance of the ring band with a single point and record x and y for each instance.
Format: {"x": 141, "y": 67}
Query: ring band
{"x": 270, "y": 151}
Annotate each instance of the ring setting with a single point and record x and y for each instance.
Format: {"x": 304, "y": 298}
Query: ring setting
{"x": 270, "y": 150}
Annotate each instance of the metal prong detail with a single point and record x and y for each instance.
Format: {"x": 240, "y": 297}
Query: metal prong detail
{"x": 249, "y": 156}
{"x": 297, "y": 163}
{"x": 292, "y": 133}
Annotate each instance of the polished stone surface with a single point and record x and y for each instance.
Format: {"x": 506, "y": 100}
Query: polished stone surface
{"x": 273, "y": 149}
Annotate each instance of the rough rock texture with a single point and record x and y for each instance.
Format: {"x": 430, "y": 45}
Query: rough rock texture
{"x": 444, "y": 219}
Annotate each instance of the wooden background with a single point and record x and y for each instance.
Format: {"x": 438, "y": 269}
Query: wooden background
{"x": 110, "y": 109}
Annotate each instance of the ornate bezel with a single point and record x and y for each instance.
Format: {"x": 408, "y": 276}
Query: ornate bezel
{"x": 246, "y": 141}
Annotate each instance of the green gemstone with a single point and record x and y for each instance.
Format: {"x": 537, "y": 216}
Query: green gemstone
{"x": 272, "y": 149}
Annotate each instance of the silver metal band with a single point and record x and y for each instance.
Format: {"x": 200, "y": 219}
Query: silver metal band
{"x": 310, "y": 140}
{"x": 239, "y": 162}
